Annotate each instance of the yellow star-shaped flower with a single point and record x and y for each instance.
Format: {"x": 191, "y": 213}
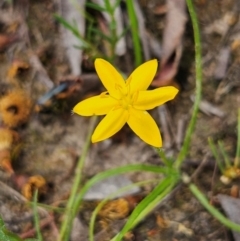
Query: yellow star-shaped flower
{"x": 126, "y": 102}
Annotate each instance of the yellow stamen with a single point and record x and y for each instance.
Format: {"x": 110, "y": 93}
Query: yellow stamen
{"x": 104, "y": 94}
{"x": 135, "y": 97}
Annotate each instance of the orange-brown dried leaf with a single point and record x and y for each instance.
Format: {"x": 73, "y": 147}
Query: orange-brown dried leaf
{"x": 234, "y": 191}
{"x": 160, "y": 9}
{"x": 16, "y": 67}
{"x": 115, "y": 209}
{"x": 12, "y": 28}
{"x": 161, "y": 222}
{"x": 129, "y": 236}
{"x": 15, "y": 108}
{"x": 133, "y": 200}
{"x": 5, "y": 161}
{"x": 34, "y": 183}
{"x": 152, "y": 232}
{"x": 235, "y": 45}
{"x": 74, "y": 86}
{"x": 6, "y": 41}
{"x": 172, "y": 42}
{"x": 8, "y": 138}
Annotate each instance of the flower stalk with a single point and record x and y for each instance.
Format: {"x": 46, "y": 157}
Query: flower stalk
{"x": 198, "y": 91}
{"x": 69, "y": 214}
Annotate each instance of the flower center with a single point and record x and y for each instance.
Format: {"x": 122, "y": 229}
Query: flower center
{"x": 126, "y": 101}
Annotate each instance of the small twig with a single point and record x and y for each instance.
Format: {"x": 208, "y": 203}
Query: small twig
{"x": 208, "y": 108}
{"x": 40, "y": 71}
{"x": 164, "y": 126}
{"x": 212, "y": 180}
{"x": 154, "y": 45}
{"x": 9, "y": 192}
{"x": 222, "y": 63}
{"x": 43, "y": 223}
{"x": 180, "y": 132}
{"x": 200, "y": 167}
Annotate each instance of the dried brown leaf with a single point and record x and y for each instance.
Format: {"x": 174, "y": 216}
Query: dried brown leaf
{"x": 231, "y": 207}
{"x": 172, "y": 42}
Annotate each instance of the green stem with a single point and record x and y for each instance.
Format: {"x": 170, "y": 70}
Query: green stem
{"x": 167, "y": 162}
{"x": 134, "y": 30}
{"x": 69, "y": 215}
{"x": 198, "y": 91}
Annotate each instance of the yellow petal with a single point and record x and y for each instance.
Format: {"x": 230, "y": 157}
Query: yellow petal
{"x": 149, "y": 99}
{"x": 97, "y": 105}
{"x": 142, "y": 76}
{"x": 110, "y": 124}
{"x": 145, "y": 127}
{"x": 111, "y": 79}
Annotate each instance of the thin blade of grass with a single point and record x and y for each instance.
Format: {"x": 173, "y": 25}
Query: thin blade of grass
{"x": 67, "y": 25}
{"x": 36, "y": 216}
{"x": 134, "y": 31}
{"x": 117, "y": 3}
{"x": 101, "y": 34}
{"x": 95, "y": 6}
{"x": 225, "y": 155}
{"x": 216, "y": 155}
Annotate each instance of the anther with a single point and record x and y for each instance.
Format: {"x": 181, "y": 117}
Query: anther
{"x": 104, "y": 94}
{"x": 118, "y": 87}
{"x": 129, "y": 80}
{"x": 117, "y": 107}
{"x": 135, "y": 97}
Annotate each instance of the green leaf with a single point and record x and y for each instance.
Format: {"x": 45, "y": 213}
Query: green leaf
{"x": 124, "y": 32}
{"x": 67, "y": 25}
{"x": 6, "y": 235}
{"x": 104, "y": 36}
{"x": 95, "y": 7}
{"x": 117, "y": 3}
{"x": 134, "y": 30}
